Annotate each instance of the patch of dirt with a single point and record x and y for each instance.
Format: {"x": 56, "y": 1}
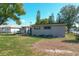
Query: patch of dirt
{"x": 55, "y": 48}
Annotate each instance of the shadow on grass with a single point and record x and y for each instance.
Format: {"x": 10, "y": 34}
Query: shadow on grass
{"x": 7, "y": 34}
{"x": 41, "y": 37}
{"x": 71, "y": 41}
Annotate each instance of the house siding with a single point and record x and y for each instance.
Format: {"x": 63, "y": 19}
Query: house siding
{"x": 5, "y": 30}
{"x": 57, "y": 31}
{"x": 8, "y": 29}
{"x": 25, "y": 30}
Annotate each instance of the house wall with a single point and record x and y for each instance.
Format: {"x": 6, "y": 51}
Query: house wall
{"x": 8, "y": 30}
{"x": 57, "y": 31}
{"x": 5, "y": 30}
{"x": 0, "y": 30}
{"x": 14, "y": 30}
{"x": 24, "y": 30}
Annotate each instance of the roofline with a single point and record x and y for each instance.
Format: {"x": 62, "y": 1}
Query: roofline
{"x": 50, "y": 25}
{"x": 13, "y": 26}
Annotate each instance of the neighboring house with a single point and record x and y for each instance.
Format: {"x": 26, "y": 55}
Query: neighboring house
{"x": 5, "y": 30}
{"x": 15, "y": 30}
{"x": 49, "y": 30}
{"x": 9, "y": 29}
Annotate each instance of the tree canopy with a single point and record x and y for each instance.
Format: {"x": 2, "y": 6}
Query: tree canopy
{"x": 68, "y": 15}
{"x": 49, "y": 20}
{"x": 38, "y": 17}
{"x": 12, "y": 11}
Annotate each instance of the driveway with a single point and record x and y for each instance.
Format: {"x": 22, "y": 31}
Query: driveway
{"x": 56, "y": 47}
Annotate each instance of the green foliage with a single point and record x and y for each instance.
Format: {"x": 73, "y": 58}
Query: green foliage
{"x": 68, "y": 14}
{"x": 12, "y": 11}
{"x": 77, "y": 37}
{"x": 49, "y": 20}
{"x": 59, "y": 19}
{"x": 38, "y": 17}
{"x": 44, "y": 21}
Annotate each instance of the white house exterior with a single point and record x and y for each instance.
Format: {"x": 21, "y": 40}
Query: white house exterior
{"x": 54, "y": 30}
{"x": 9, "y": 28}
{"x": 14, "y": 29}
{"x": 25, "y": 30}
{"x": 5, "y": 29}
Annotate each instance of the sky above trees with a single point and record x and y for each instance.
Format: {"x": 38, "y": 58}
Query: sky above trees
{"x": 46, "y": 9}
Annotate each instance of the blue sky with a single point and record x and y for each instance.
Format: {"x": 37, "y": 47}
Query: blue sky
{"x": 46, "y": 9}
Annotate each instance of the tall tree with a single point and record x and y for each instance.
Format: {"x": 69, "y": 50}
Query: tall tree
{"x": 51, "y": 19}
{"x": 59, "y": 19}
{"x": 11, "y": 11}
{"x": 69, "y": 15}
{"x": 38, "y": 17}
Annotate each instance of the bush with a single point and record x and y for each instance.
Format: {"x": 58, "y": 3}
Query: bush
{"x": 77, "y": 37}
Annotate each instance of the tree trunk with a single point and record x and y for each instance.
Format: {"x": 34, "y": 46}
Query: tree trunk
{"x": 68, "y": 30}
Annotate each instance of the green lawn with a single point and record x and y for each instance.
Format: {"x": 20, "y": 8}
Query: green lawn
{"x": 15, "y": 45}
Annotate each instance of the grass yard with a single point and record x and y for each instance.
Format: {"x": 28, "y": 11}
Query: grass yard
{"x": 14, "y": 45}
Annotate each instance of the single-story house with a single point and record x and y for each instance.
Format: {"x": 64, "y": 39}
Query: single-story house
{"x": 9, "y": 28}
{"x": 4, "y": 29}
{"x": 48, "y": 30}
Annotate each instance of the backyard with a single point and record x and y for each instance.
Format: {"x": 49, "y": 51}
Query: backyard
{"x": 17, "y": 45}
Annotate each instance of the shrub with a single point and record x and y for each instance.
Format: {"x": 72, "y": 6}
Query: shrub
{"x": 77, "y": 37}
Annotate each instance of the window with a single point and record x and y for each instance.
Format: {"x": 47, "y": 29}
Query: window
{"x": 4, "y": 29}
{"x": 36, "y": 28}
{"x": 47, "y": 27}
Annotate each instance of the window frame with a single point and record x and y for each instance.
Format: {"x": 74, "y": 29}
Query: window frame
{"x": 47, "y": 27}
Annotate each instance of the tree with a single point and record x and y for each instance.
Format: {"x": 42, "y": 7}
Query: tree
{"x": 44, "y": 21}
{"x": 59, "y": 19}
{"x": 4, "y": 23}
{"x": 38, "y": 17}
{"x": 69, "y": 15}
{"x": 11, "y": 11}
{"x": 51, "y": 19}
